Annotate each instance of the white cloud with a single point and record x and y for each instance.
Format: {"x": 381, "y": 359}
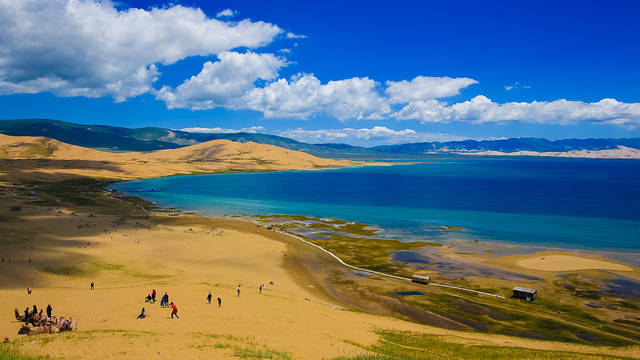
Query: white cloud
{"x": 251, "y": 129}
{"x": 285, "y": 51}
{"x": 366, "y": 136}
{"x": 222, "y": 82}
{"x": 305, "y": 96}
{"x": 516, "y": 85}
{"x": 291, "y": 35}
{"x": 425, "y": 88}
{"x": 90, "y": 48}
{"x": 226, "y": 13}
{"x": 481, "y": 109}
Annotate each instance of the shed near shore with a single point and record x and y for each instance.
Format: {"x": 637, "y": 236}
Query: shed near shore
{"x": 420, "y": 279}
{"x": 520, "y": 292}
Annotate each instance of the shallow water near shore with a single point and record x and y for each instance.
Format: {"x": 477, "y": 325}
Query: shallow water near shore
{"x": 567, "y": 203}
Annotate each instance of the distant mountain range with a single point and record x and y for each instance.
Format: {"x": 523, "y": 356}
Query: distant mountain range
{"x": 116, "y": 139}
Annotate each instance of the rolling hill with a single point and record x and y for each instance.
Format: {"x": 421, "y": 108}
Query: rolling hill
{"x": 119, "y": 139}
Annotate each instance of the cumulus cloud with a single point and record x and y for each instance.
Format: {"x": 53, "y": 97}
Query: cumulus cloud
{"x": 425, "y": 88}
{"x": 374, "y": 135}
{"x": 251, "y": 129}
{"x": 304, "y": 96}
{"x": 90, "y": 48}
{"x": 226, "y": 13}
{"x": 481, "y": 109}
{"x": 221, "y": 83}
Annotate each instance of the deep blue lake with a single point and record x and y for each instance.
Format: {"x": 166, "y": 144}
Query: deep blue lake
{"x": 569, "y": 203}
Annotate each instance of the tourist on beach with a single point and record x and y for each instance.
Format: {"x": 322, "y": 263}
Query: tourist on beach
{"x": 143, "y": 314}
{"x": 92, "y": 286}
{"x": 153, "y": 295}
{"x": 26, "y": 315}
{"x": 34, "y": 312}
{"x": 219, "y": 301}
{"x": 174, "y": 311}
{"x": 49, "y": 310}
{"x": 148, "y": 298}
{"x": 29, "y": 290}
{"x": 238, "y": 290}
{"x": 261, "y": 287}
{"x": 209, "y": 298}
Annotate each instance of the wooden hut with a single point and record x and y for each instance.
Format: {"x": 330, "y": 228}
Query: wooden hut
{"x": 422, "y": 279}
{"x": 520, "y": 292}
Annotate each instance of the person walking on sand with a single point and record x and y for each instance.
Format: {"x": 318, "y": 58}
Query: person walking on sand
{"x": 261, "y": 287}
{"x": 49, "y": 310}
{"x": 93, "y": 286}
{"x": 219, "y": 301}
{"x": 209, "y": 297}
{"x": 153, "y": 295}
{"x": 238, "y": 290}
{"x": 174, "y": 311}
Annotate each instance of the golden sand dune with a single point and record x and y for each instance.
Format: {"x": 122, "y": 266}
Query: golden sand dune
{"x": 47, "y": 159}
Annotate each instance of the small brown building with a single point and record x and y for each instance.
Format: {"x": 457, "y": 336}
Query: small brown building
{"x": 520, "y": 292}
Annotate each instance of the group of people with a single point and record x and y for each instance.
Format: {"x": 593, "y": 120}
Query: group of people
{"x": 43, "y": 321}
{"x": 210, "y": 296}
{"x": 34, "y": 317}
{"x": 164, "y": 302}
{"x": 152, "y": 297}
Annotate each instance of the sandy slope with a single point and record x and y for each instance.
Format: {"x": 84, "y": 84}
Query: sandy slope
{"x": 187, "y": 257}
{"x": 47, "y": 159}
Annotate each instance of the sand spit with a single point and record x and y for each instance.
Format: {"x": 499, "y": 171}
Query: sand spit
{"x": 569, "y": 263}
{"x": 621, "y": 152}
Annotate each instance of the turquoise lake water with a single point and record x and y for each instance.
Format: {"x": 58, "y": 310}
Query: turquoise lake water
{"x": 567, "y": 203}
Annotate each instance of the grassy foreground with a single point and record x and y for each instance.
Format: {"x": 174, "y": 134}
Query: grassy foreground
{"x": 415, "y": 346}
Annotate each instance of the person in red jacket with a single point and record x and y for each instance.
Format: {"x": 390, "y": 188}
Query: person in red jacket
{"x": 174, "y": 311}
{"x": 153, "y": 295}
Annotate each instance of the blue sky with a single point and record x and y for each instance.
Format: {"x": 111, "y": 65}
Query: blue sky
{"x": 363, "y": 73}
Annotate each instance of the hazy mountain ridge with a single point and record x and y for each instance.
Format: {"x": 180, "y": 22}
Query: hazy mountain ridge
{"x": 114, "y": 138}
{"x": 511, "y": 145}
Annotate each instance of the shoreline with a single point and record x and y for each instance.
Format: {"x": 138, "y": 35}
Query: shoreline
{"x": 504, "y": 247}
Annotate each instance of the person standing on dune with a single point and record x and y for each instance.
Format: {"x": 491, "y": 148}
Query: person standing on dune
{"x": 49, "y": 310}
{"x": 209, "y": 298}
{"x": 92, "y": 286}
{"x": 238, "y": 290}
{"x": 174, "y": 311}
{"x": 219, "y": 301}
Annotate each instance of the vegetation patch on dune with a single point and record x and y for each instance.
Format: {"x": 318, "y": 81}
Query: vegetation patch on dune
{"x": 242, "y": 347}
{"x": 416, "y": 346}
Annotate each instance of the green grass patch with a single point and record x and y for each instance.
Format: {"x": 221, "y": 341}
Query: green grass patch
{"x": 413, "y": 346}
{"x": 11, "y": 352}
